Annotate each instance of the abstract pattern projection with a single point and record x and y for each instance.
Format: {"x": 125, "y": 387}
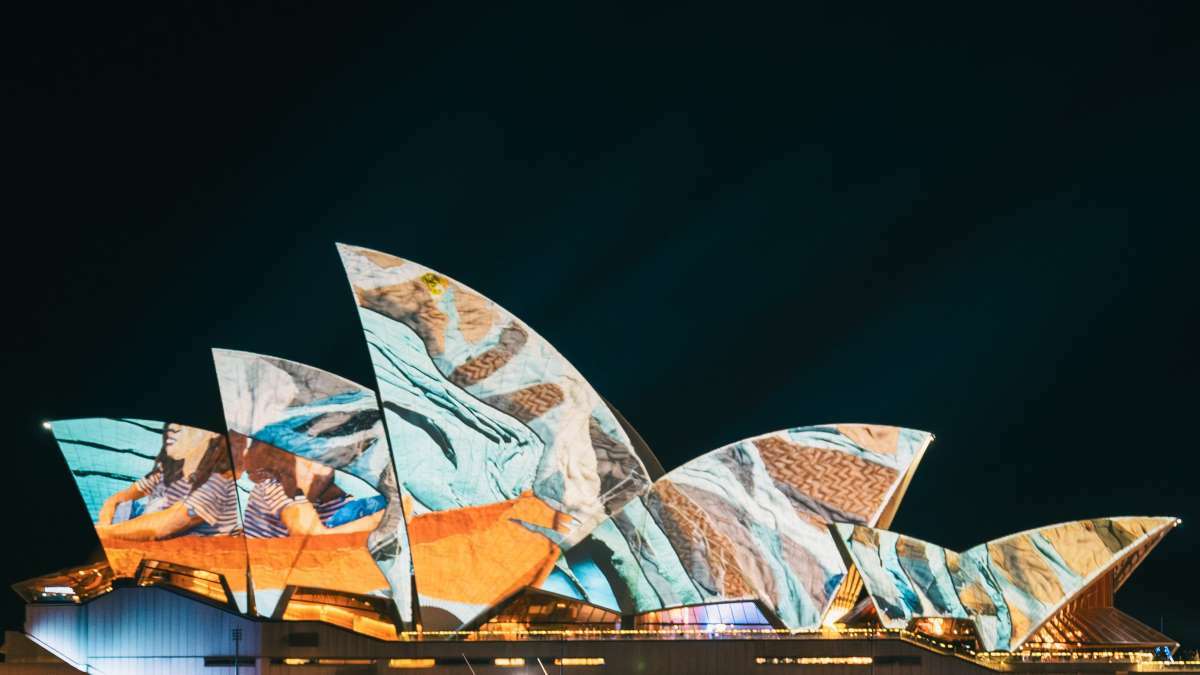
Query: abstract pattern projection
{"x": 158, "y": 491}
{"x": 498, "y": 485}
{"x": 320, "y": 500}
{"x": 1009, "y": 587}
{"x": 747, "y": 521}
{"x": 508, "y": 454}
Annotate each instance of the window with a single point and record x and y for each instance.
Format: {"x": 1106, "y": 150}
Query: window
{"x": 815, "y": 660}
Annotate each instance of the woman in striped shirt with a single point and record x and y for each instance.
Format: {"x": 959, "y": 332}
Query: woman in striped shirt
{"x": 297, "y": 496}
{"x": 190, "y": 490}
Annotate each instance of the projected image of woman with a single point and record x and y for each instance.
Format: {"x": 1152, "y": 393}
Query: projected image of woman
{"x": 190, "y": 491}
{"x": 297, "y": 496}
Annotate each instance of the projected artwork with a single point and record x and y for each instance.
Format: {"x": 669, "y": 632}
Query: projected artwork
{"x": 1009, "y": 587}
{"x": 746, "y": 521}
{"x": 508, "y": 454}
{"x": 486, "y": 483}
{"x": 158, "y": 491}
{"x": 322, "y": 507}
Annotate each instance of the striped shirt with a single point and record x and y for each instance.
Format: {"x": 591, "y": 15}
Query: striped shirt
{"x": 266, "y": 503}
{"x": 214, "y": 501}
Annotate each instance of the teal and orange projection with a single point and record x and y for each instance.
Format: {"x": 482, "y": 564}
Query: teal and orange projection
{"x": 484, "y": 464}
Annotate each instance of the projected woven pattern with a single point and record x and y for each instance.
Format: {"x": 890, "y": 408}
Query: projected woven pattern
{"x": 1009, "y": 587}
{"x": 507, "y": 452}
{"x": 746, "y": 521}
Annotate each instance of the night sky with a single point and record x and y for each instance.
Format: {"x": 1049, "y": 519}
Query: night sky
{"x": 978, "y": 224}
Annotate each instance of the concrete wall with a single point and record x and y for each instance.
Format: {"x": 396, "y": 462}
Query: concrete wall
{"x": 120, "y": 632}
{"x": 147, "y": 631}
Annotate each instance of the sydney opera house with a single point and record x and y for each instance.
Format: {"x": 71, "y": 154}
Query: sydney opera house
{"x": 484, "y": 510}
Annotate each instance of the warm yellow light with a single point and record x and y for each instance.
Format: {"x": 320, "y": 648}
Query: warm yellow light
{"x": 295, "y": 662}
{"x": 580, "y": 661}
{"x": 412, "y": 663}
{"x": 509, "y": 662}
{"x": 816, "y": 660}
{"x": 834, "y": 615}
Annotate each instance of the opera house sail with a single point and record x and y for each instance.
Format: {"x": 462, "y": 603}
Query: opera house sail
{"x": 484, "y": 507}
{"x": 747, "y": 522}
{"x": 508, "y": 453}
{"x": 1008, "y": 588}
{"x": 322, "y": 506}
{"x": 162, "y": 498}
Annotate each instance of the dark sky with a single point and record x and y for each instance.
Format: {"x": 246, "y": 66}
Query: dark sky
{"x": 981, "y": 224}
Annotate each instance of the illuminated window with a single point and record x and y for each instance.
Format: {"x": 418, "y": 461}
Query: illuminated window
{"x": 945, "y": 629}
{"x": 196, "y": 581}
{"x": 71, "y": 585}
{"x": 412, "y": 663}
{"x": 814, "y": 660}
{"x": 580, "y": 661}
{"x": 509, "y": 662}
{"x": 542, "y": 611}
{"x": 367, "y": 615}
{"x": 713, "y": 618}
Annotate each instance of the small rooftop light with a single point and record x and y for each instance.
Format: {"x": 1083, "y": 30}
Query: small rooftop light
{"x": 47, "y": 426}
